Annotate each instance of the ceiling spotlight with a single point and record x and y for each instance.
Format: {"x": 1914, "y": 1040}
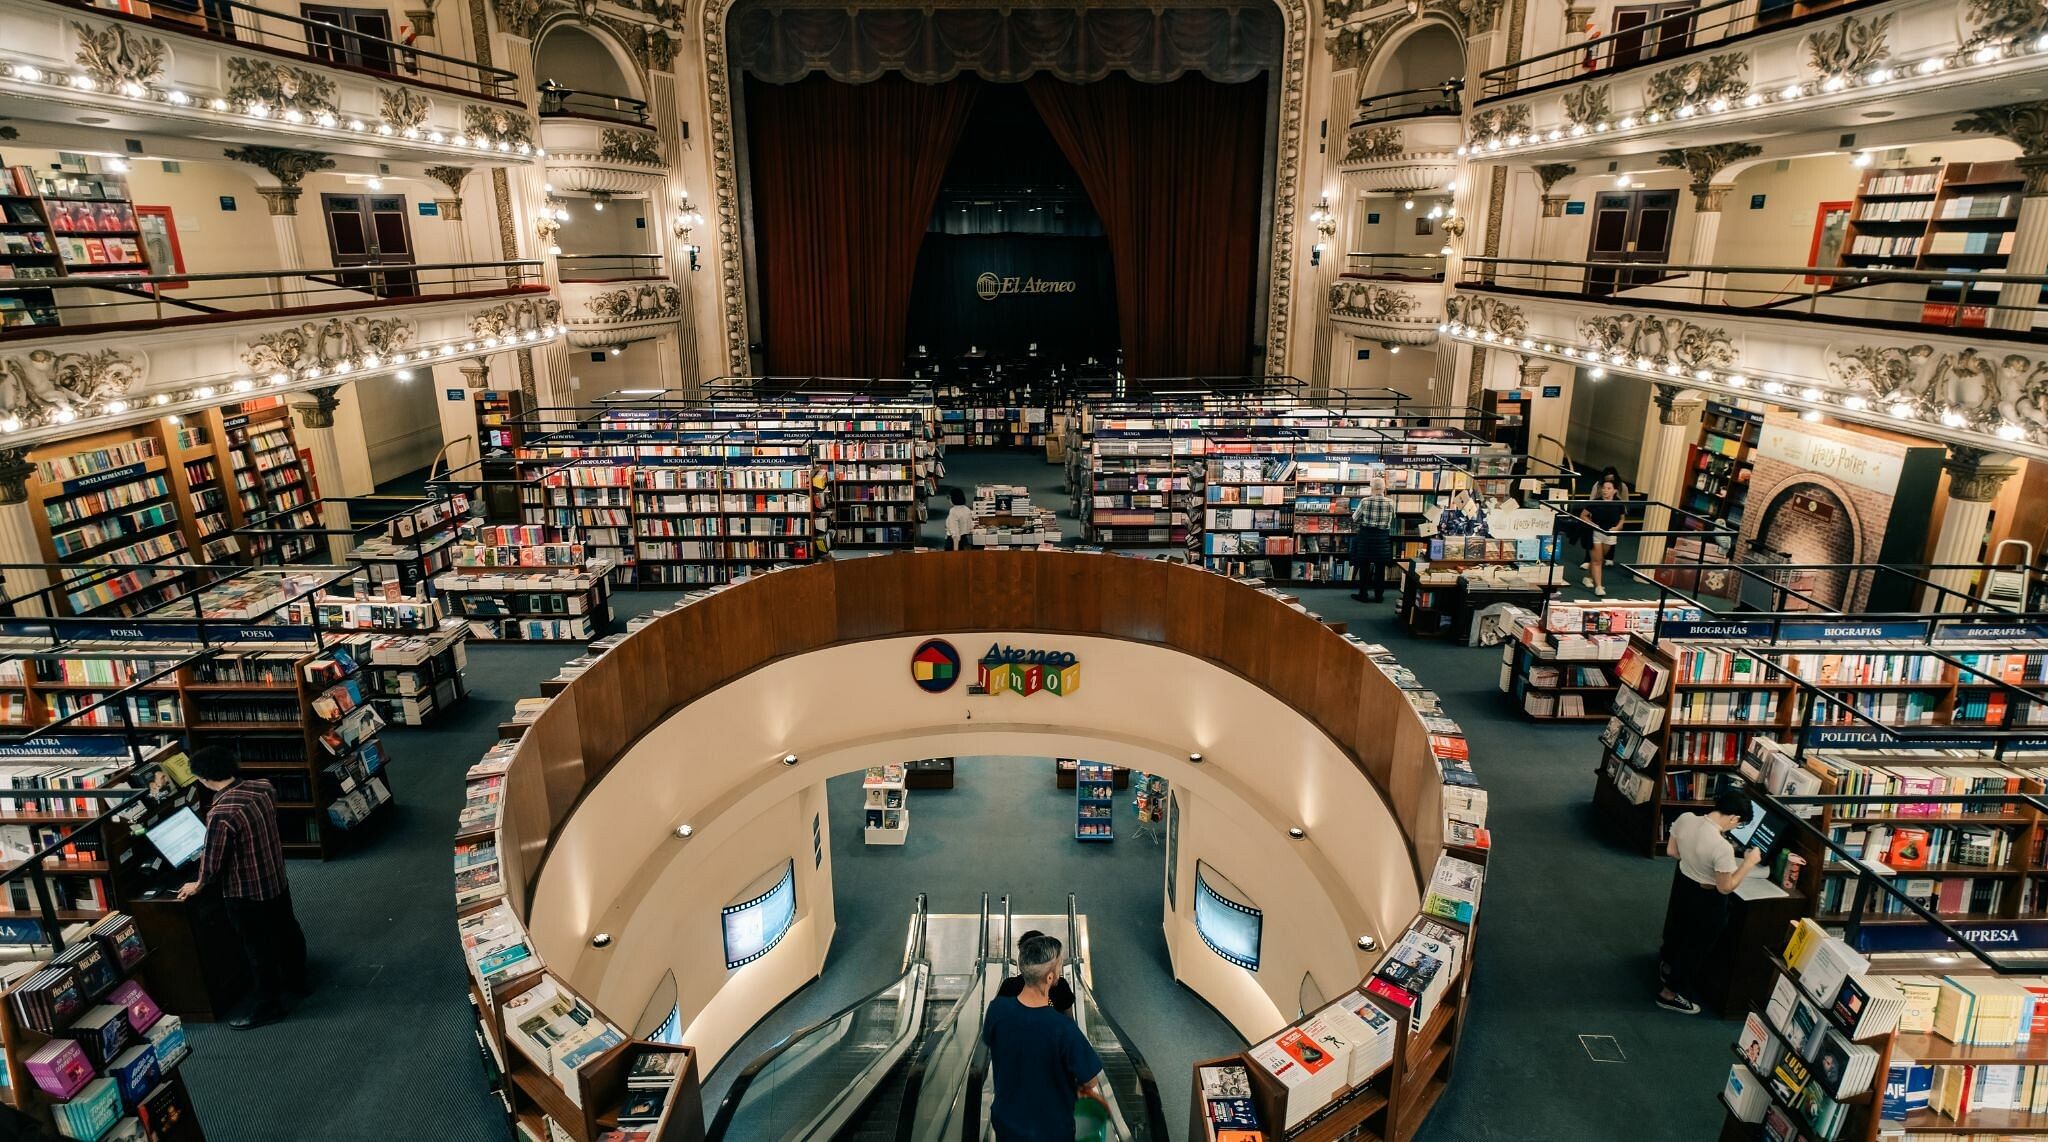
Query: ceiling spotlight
{"x": 1810, "y": 414}
{"x": 789, "y": 759}
{"x": 685, "y": 832}
{"x": 375, "y": 183}
{"x": 1297, "y": 832}
{"x": 615, "y": 352}
{"x": 1902, "y": 410}
{"x": 160, "y": 399}
{"x": 11, "y": 424}
{"x": 1367, "y": 943}
{"x": 116, "y": 407}
{"x": 1855, "y": 403}
{"x": 1773, "y": 388}
{"x": 174, "y": 418}
{"x": 1408, "y": 203}
{"x": 1195, "y": 758}
{"x": 1597, "y": 373}
{"x": 1737, "y": 380}
{"x": 2011, "y": 431}
{"x": 404, "y": 374}
{"x": 1862, "y": 159}
{"x": 1809, "y": 393}
{"x": 601, "y": 940}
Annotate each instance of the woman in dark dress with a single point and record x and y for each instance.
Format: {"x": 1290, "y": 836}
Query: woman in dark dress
{"x": 1602, "y": 515}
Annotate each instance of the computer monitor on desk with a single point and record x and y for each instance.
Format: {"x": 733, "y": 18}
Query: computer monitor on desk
{"x": 180, "y": 837}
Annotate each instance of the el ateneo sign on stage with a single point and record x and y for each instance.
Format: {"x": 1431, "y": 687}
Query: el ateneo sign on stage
{"x": 990, "y": 286}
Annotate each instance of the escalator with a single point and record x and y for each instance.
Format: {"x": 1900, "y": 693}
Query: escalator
{"x": 862, "y": 1073}
{"x": 906, "y": 1063}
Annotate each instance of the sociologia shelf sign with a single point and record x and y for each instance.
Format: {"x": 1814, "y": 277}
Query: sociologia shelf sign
{"x": 1006, "y": 669}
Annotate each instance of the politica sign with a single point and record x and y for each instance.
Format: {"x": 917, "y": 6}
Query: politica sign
{"x": 1006, "y": 669}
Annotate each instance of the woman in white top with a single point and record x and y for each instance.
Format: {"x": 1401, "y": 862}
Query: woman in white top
{"x": 959, "y": 521}
{"x": 1708, "y": 870}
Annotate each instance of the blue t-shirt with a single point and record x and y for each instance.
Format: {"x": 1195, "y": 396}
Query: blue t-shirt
{"x": 1040, "y": 1058}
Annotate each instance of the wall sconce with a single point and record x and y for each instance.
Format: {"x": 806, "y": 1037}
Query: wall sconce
{"x": 599, "y": 200}
{"x": 1390, "y": 347}
{"x": 687, "y": 218}
{"x": 1326, "y": 228}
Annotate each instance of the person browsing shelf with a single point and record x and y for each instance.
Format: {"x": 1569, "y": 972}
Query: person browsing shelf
{"x": 1708, "y": 870}
{"x": 959, "y": 521}
{"x": 1062, "y": 993}
{"x": 244, "y": 859}
{"x": 1602, "y": 516}
{"x": 1041, "y": 1060}
{"x": 1372, "y": 544}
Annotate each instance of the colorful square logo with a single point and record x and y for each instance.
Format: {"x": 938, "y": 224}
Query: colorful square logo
{"x": 935, "y": 666}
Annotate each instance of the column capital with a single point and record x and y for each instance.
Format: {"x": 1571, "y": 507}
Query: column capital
{"x": 1677, "y": 405}
{"x": 2034, "y": 168}
{"x": 1553, "y": 205}
{"x": 449, "y": 209}
{"x": 477, "y": 372}
{"x": 1701, "y": 164}
{"x": 1976, "y": 475}
{"x": 1550, "y": 174}
{"x": 1532, "y": 369}
{"x": 2024, "y": 124}
{"x": 320, "y": 413}
{"x": 14, "y": 473}
{"x": 1709, "y": 201}
{"x": 282, "y": 201}
{"x": 287, "y": 166}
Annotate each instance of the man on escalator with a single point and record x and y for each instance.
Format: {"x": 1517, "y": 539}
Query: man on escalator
{"x": 1042, "y": 1061}
{"x": 1062, "y": 993}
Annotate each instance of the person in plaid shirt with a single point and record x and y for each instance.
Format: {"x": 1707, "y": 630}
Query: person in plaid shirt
{"x": 245, "y": 860}
{"x": 1372, "y": 545}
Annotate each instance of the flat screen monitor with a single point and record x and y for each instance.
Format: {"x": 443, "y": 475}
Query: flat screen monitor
{"x": 754, "y": 926}
{"x": 1231, "y": 928}
{"x": 1761, "y": 831}
{"x": 179, "y": 837}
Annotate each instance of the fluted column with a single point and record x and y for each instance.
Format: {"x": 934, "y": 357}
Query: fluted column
{"x": 315, "y": 408}
{"x": 1660, "y": 471}
{"x": 1702, "y": 166}
{"x": 18, "y": 530}
{"x": 289, "y": 168}
{"x": 2026, "y": 126}
{"x": 1549, "y": 417}
{"x": 1974, "y": 479}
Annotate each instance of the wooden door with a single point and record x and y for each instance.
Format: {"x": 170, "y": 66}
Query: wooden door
{"x": 371, "y": 230}
{"x": 1629, "y": 226}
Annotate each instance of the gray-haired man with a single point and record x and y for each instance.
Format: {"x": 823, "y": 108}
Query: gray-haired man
{"x": 1042, "y": 1062}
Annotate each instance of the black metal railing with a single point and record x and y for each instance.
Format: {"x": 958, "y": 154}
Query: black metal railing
{"x": 63, "y": 305}
{"x": 1651, "y": 42}
{"x": 1394, "y": 267}
{"x": 1413, "y": 103}
{"x": 567, "y": 102}
{"x": 609, "y": 267}
{"x": 322, "y": 42}
{"x": 1960, "y": 299}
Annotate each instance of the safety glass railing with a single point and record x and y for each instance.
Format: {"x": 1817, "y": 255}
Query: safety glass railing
{"x": 1394, "y": 267}
{"x": 1872, "y": 287}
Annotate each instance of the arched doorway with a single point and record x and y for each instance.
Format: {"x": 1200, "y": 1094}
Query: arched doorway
{"x": 580, "y": 74}
{"x": 1809, "y": 523}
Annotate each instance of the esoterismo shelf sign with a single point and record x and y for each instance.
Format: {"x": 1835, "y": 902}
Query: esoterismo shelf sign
{"x": 990, "y": 286}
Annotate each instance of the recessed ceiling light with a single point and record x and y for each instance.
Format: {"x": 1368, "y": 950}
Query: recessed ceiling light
{"x": 94, "y": 120}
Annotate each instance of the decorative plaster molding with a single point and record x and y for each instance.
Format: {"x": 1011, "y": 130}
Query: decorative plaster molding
{"x": 325, "y": 344}
{"x": 1550, "y": 174}
{"x": 646, "y": 302}
{"x": 1977, "y": 475}
{"x": 14, "y": 473}
{"x": 2004, "y": 21}
{"x": 1371, "y": 144}
{"x": 1850, "y": 48}
{"x": 625, "y": 145}
{"x": 36, "y": 384}
{"x": 497, "y": 123}
{"x": 114, "y": 56}
{"x": 1586, "y": 106}
{"x": 320, "y": 413}
{"x": 449, "y": 176}
{"x": 1676, "y": 404}
{"x": 287, "y": 166}
{"x": 1502, "y": 122}
{"x": 1660, "y": 340}
{"x": 402, "y": 107}
{"x": 1696, "y": 82}
{"x": 518, "y": 17}
{"x": 280, "y": 86}
{"x": 1488, "y": 315}
{"x": 516, "y": 316}
{"x": 1701, "y": 164}
{"x": 2024, "y": 124}
{"x": 1963, "y": 388}
{"x": 1372, "y": 300}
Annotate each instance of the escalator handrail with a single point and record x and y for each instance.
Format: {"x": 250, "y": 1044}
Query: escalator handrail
{"x": 914, "y": 1082}
{"x": 977, "y": 1069}
{"x": 1148, "y": 1086}
{"x": 736, "y": 1093}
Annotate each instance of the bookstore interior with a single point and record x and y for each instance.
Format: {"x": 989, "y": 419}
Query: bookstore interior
{"x": 1181, "y": 479}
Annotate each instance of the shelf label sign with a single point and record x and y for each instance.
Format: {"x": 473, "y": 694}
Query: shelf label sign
{"x": 1996, "y": 936}
{"x": 88, "y": 482}
{"x": 1812, "y": 632}
{"x": 1006, "y": 669}
{"x": 935, "y": 666}
{"x": 1974, "y": 632}
{"x": 1689, "y": 628}
{"x": 1842, "y": 737}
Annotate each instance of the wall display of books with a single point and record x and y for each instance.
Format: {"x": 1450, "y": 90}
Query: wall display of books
{"x": 498, "y": 413}
{"x": 1094, "y": 802}
{"x": 1013, "y": 425}
{"x": 1718, "y": 466}
{"x": 86, "y": 1046}
{"x": 530, "y": 602}
{"x": 271, "y": 485}
{"x": 1559, "y": 666}
{"x": 1817, "y": 1060}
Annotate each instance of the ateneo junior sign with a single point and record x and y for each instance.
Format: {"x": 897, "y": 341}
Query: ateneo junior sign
{"x": 1008, "y": 669}
{"x": 990, "y": 286}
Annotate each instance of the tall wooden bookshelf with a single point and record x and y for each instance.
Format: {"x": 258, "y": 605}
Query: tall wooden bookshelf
{"x": 1718, "y": 465}
{"x": 1957, "y": 217}
{"x": 113, "y": 499}
{"x": 28, "y": 252}
{"x": 498, "y": 425}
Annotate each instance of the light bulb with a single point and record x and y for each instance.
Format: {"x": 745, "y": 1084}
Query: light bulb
{"x": 1597, "y": 373}
{"x": 597, "y": 204}
{"x": 375, "y": 183}
{"x": 404, "y": 374}
{"x": 616, "y": 350}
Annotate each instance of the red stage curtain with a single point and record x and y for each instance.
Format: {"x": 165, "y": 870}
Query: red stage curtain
{"x": 1174, "y": 171}
{"x": 845, "y": 177}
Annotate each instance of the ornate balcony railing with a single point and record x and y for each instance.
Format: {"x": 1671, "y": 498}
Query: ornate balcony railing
{"x": 318, "y": 41}
{"x": 556, "y": 101}
{"x": 105, "y": 303}
{"x": 1413, "y": 103}
{"x": 1902, "y": 299}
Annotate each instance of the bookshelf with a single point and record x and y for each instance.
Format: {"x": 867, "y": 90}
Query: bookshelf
{"x": 1806, "y": 1064}
{"x": 592, "y": 499}
{"x": 1508, "y": 417}
{"x": 1242, "y": 520}
{"x": 271, "y": 484}
{"x": 111, "y": 499}
{"x": 993, "y": 426}
{"x": 28, "y": 252}
{"x": 1688, "y": 712}
{"x": 878, "y": 487}
{"x": 498, "y": 419}
{"x": 93, "y": 220}
{"x": 1955, "y": 216}
{"x": 402, "y": 553}
{"x": 513, "y": 584}
{"x": 1718, "y": 465}
{"x": 88, "y": 1047}
{"x": 1094, "y": 802}
{"x": 885, "y": 805}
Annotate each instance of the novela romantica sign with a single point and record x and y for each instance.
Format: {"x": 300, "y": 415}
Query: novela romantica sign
{"x": 1008, "y": 669}
{"x": 990, "y": 286}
